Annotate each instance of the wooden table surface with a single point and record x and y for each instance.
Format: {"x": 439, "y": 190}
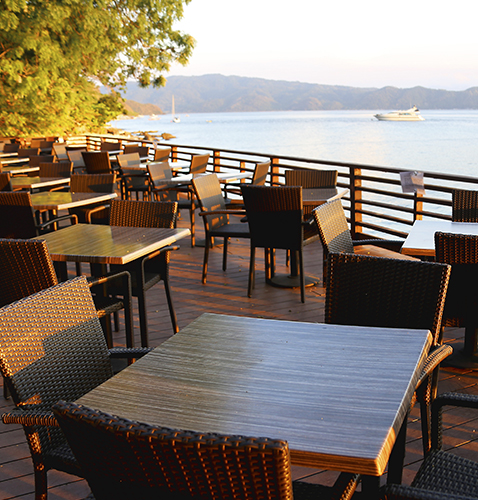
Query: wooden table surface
{"x": 38, "y": 182}
{"x": 421, "y": 238}
{"x": 58, "y": 200}
{"x": 337, "y": 394}
{"x": 13, "y": 170}
{"x": 100, "y": 244}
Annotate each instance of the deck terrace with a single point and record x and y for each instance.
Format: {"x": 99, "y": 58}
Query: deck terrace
{"x": 226, "y": 293}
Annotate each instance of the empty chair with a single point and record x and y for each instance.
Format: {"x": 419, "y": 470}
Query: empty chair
{"x": 46, "y": 147}
{"x": 57, "y": 169}
{"x": 134, "y": 178}
{"x": 28, "y": 152}
{"x": 258, "y": 179}
{"x": 464, "y": 205}
{"x": 5, "y": 181}
{"x": 461, "y": 306}
{"x": 92, "y": 183}
{"x": 37, "y": 159}
{"x": 198, "y": 164}
{"x": 147, "y": 271}
{"x": 59, "y": 150}
{"x": 275, "y": 222}
{"x": 216, "y": 218}
{"x": 11, "y": 147}
{"x": 110, "y": 146}
{"x": 122, "y": 459}
{"x": 97, "y": 162}
{"x": 160, "y": 175}
{"x": 77, "y": 158}
{"x": 59, "y": 353}
{"x": 143, "y": 151}
{"x": 364, "y": 290}
{"x": 161, "y": 154}
{"x": 335, "y": 236}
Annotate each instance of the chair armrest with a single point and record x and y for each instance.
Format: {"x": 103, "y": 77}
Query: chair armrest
{"x": 435, "y": 357}
{"x": 169, "y": 248}
{"x": 456, "y": 399}
{"x": 401, "y": 492}
{"x": 129, "y": 352}
{"x": 30, "y": 416}
{"x": 394, "y": 245}
{"x": 72, "y": 217}
{"x": 89, "y": 212}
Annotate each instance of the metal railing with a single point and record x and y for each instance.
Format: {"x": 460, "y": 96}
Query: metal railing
{"x": 376, "y": 205}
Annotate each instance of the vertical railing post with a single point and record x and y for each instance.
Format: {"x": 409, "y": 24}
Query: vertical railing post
{"x": 355, "y": 201}
{"x": 216, "y": 161}
{"x": 174, "y": 153}
{"x": 274, "y": 171}
{"x": 417, "y": 206}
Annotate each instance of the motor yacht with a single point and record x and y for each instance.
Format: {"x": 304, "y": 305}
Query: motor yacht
{"x": 409, "y": 115}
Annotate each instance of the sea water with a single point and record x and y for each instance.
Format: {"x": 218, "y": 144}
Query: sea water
{"x": 446, "y": 141}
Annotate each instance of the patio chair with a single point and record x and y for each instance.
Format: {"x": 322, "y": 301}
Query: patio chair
{"x": 11, "y": 147}
{"x": 59, "y": 151}
{"x": 161, "y": 154}
{"x": 461, "y": 306}
{"x": 110, "y": 146}
{"x": 97, "y": 162}
{"x": 5, "y": 181}
{"x": 208, "y": 191}
{"x": 335, "y": 236}
{"x": 92, "y": 183}
{"x": 52, "y": 348}
{"x": 148, "y": 271}
{"x": 442, "y": 475}
{"x": 37, "y": 159}
{"x": 364, "y": 290}
{"x": 143, "y": 151}
{"x": 57, "y": 169}
{"x": 274, "y": 214}
{"x": 77, "y": 158}
{"x": 133, "y": 178}
{"x": 123, "y": 459}
{"x": 464, "y": 206}
{"x": 258, "y": 179}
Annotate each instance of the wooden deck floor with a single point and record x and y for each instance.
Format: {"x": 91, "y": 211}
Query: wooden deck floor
{"x": 226, "y": 293}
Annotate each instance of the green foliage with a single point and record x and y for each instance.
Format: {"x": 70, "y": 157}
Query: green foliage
{"x": 54, "y": 53}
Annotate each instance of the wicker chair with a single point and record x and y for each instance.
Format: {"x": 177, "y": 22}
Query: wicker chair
{"x": 77, "y": 158}
{"x": 464, "y": 206}
{"x": 110, "y": 146}
{"x": 11, "y": 147}
{"x": 28, "y": 152}
{"x": 26, "y": 268}
{"x": 275, "y": 221}
{"x": 5, "y": 184}
{"x": 57, "y": 169}
{"x": 97, "y": 162}
{"x": 207, "y": 189}
{"x": 133, "y": 178}
{"x": 123, "y": 460}
{"x": 258, "y": 179}
{"x": 461, "y": 306}
{"x": 161, "y": 154}
{"x": 59, "y": 151}
{"x": 143, "y": 151}
{"x": 148, "y": 271}
{"x": 37, "y": 159}
{"x": 92, "y": 183}
{"x": 335, "y": 236}
{"x": 52, "y": 347}
{"x": 373, "y": 291}
{"x": 442, "y": 475}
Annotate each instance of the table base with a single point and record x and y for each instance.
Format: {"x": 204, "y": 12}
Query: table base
{"x": 289, "y": 281}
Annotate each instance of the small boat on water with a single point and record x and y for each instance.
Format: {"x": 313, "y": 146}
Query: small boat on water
{"x": 409, "y": 115}
{"x": 175, "y": 119}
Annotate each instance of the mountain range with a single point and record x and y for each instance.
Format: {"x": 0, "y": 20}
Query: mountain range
{"x": 219, "y": 93}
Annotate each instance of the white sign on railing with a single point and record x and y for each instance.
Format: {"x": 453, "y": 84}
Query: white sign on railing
{"x": 412, "y": 182}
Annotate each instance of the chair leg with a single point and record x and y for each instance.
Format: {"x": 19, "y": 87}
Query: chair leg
{"x": 224, "y": 254}
{"x": 41, "y": 485}
{"x": 172, "y": 312}
{"x": 206, "y": 257}
{"x": 252, "y": 271}
{"x": 192, "y": 218}
{"x": 302, "y": 276}
{"x": 143, "y": 320}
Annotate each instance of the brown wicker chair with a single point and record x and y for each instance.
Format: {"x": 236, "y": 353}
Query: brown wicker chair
{"x": 57, "y": 169}
{"x": 207, "y": 189}
{"x": 37, "y": 159}
{"x": 464, "y": 206}
{"x": 110, "y": 146}
{"x": 77, "y": 158}
{"x": 28, "y": 152}
{"x": 461, "y": 306}
{"x": 162, "y": 154}
{"x": 59, "y": 151}
{"x": 92, "y": 183}
{"x": 123, "y": 460}
{"x": 97, "y": 162}
{"x": 258, "y": 179}
{"x": 11, "y": 147}
{"x": 335, "y": 236}
{"x": 52, "y": 347}
{"x": 442, "y": 475}
{"x": 26, "y": 268}
{"x": 143, "y": 151}
{"x": 275, "y": 221}
{"x": 5, "y": 184}
{"x": 373, "y": 291}
{"x": 133, "y": 178}
{"x": 148, "y": 271}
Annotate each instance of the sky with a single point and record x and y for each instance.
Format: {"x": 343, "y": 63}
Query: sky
{"x": 359, "y": 43}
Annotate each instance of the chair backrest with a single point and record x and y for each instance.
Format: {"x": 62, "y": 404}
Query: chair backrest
{"x": 208, "y": 192}
{"x": 159, "y": 173}
{"x": 77, "y": 158}
{"x": 461, "y": 252}
{"x": 28, "y": 152}
{"x": 198, "y": 164}
{"x": 333, "y": 229}
{"x": 17, "y": 219}
{"x": 5, "y": 181}
{"x": 373, "y": 291}
{"x": 464, "y": 205}
{"x": 11, "y": 147}
{"x": 25, "y": 268}
{"x": 143, "y": 151}
{"x": 311, "y": 178}
{"x": 57, "y": 169}
{"x": 161, "y": 154}
{"x": 35, "y": 160}
{"x": 122, "y": 459}
{"x": 260, "y": 173}
{"x": 46, "y": 146}
{"x": 36, "y": 141}
{"x": 129, "y": 160}
{"x": 92, "y": 183}
{"x": 52, "y": 345}
{"x": 97, "y": 162}
{"x": 59, "y": 150}
{"x": 274, "y": 214}
{"x": 110, "y": 146}
{"x": 136, "y": 213}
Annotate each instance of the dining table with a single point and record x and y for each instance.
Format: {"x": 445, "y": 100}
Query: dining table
{"x": 224, "y": 177}
{"x": 337, "y": 394}
{"x": 19, "y": 170}
{"x": 31, "y": 183}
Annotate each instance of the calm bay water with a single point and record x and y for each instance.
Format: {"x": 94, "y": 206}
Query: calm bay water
{"x": 447, "y": 141}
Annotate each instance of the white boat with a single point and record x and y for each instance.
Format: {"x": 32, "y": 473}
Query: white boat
{"x": 409, "y": 115}
{"x": 175, "y": 118}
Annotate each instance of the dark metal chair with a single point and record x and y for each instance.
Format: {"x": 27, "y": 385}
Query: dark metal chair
{"x": 461, "y": 306}
{"x": 52, "y": 348}
{"x": 275, "y": 221}
{"x": 373, "y": 291}
{"x": 148, "y": 271}
{"x": 208, "y": 191}
{"x": 335, "y": 236}
{"x": 122, "y": 459}
{"x": 464, "y": 205}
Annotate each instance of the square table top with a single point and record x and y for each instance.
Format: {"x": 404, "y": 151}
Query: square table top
{"x": 38, "y": 182}
{"x": 13, "y": 170}
{"x": 59, "y": 200}
{"x": 421, "y": 238}
{"x": 337, "y": 394}
{"x": 101, "y": 244}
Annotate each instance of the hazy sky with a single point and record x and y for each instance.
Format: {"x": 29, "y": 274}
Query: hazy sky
{"x": 361, "y": 43}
